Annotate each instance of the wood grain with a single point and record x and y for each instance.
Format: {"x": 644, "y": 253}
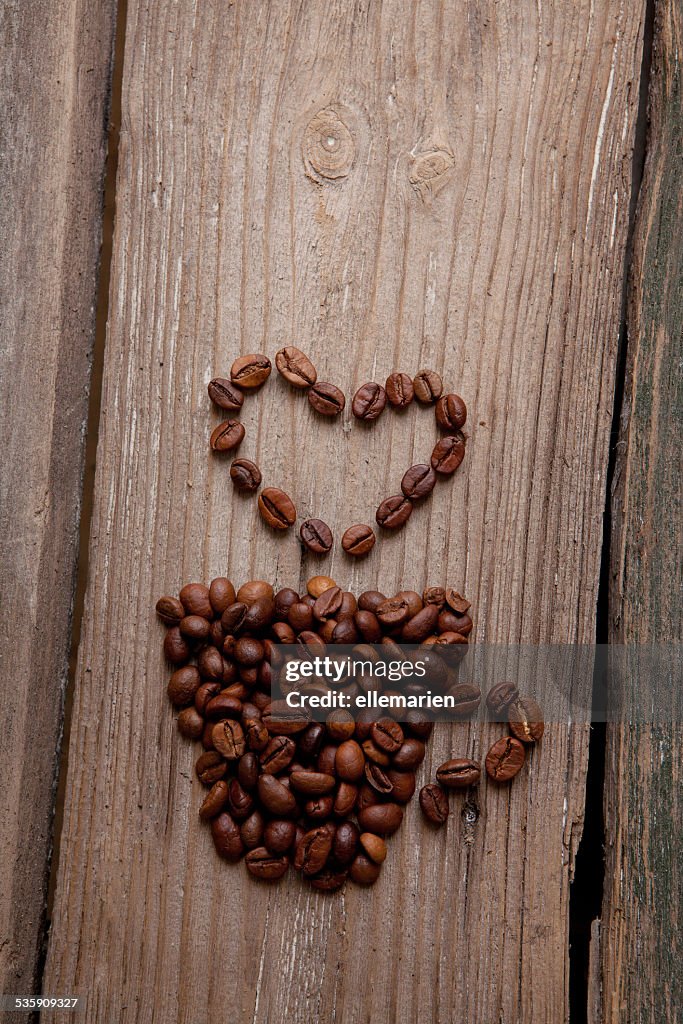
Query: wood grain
{"x": 642, "y": 979}
{"x": 54, "y": 80}
{"x": 474, "y": 222}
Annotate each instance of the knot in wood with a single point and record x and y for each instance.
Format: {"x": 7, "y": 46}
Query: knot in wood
{"x": 328, "y": 146}
{"x": 430, "y": 171}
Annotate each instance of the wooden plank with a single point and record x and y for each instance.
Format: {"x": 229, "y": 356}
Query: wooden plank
{"x": 641, "y": 951}
{"x": 505, "y": 273}
{"x": 54, "y": 81}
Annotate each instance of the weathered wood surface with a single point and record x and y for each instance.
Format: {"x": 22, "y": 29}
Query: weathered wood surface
{"x": 642, "y": 977}
{"x": 54, "y": 77}
{"x": 475, "y": 223}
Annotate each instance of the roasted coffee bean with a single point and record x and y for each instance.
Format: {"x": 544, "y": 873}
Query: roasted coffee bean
{"x": 435, "y": 596}
{"x": 317, "y": 585}
{"x": 254, "y": 590}
{"x": 368, "y": 626}
{"x": 345, "y": 632}
{"x": 275, "y": 797}
{"x": 195, "y": 600}
{"x": 278, "y": 835}
{"x": 410, "y": 754}
{"x": 264, "y": 865}
{"x": 190, "y": 724}
{"x": 349, "y": 761}
{"x": 228, "y": 739}
{"x": 467, "y": 697}
{"x": 226, "y": 837}
{"x": 377, "y": 778}
{"x": 345, "y": 800}
{"x": 387, "y": 735}
{"x": 295, "y": 367}
{"x": 227, "y": 436}
{"x": 245, "y": 475}
{"x": 428, "y": 386}
{"x": 374, "y": 847}
{"x": 504, "y": 759}
{"x": 345, "y": 843}
{"x": 451, "y": 412}
{"x": 369, "y": 402}
{"x": 402, "y": 785}
{"x": 176, "y": 647}
{"x": 221, "y": 594}
{"x": 214, "y": 801}
{"x": 328, "y": 604}
{"x": 276, "y": 508}
{"x": 240, "y": 802}
{"x": 316, "y": 536}
{"x": 500, "y": 697}
{"x": 393, "y": 612}
{"x": 399, "y": 389}
{"x": 283, "y": 601}
{"x": 210, "y": 767}
{"x": 526, "y": 720}
{"x": 418, "y": 724}
{"x": 170, "y": 610}
{"x": 326, "y": 399}
{"x": 449, "y": 622}
{"x": 340, "y": 725}
{"x": 364, "y": 871}
{"x": 225, "y": 395}
{"x": 358, "y": 540}
{"x": 348, "y": 606}
{"x": 248, "y": 771}
{"x": 327, "y": 759}
{"x": 232, "y": 619}
{"x": 251, "y": 371}
{"x": 319, "y": 808}
{"x": 367, "y": 797}
{"x": 280, "y": 719}
{"x": 418, "y": 482}
{"x": 312, "y": 783}
{"x": 393, "y": 512}
{"x": 421, "y": 625}
{"x": 374, "y": 754}
{"x": 183, "y": 685}
{"x": 259, "y": 615}
{"x": 434, "y": 803}
{"x": 370, "y": 600}
{"x": 383, "y": 819}
{"x": 458, "y": 773}
{"x": 257, "y": 735}
{"x": 279, "y": 753}
{"x": 448, "y": 453}
{"x": 194, "y": 627}
{"x": 311, "y": 740}
{"x": 251, "y": 830}
{"x": 313, "y": 850}
{"x": 223, "y": 705}
{"x": 328, "y": 880}
{"x": 300, "y": 617}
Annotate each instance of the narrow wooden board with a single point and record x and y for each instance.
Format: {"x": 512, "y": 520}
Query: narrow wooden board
{"x": 54, "y": 81}
{"x": 478, "y": 227}
{"x": 642, "y": 978}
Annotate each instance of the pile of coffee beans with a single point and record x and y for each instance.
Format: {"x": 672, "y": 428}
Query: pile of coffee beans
{"x": 370, "y": 400}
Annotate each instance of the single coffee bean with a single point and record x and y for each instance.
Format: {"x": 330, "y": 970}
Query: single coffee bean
{"x": 387, "y": 735}
{"x": 374, "y": 847}
{"x": 348, "y": 606}
{"x": 248, "y": 771}
{"x": 340, "y": 725}
{"x": 345, "y": 843}
{"x": 275, "y": 797}
{"x": 328, "y": 880}
{"x": 278, "y": 754}
{"x": 251, "y": 371}
{"x": 225, "y": 395}
{"x": 364, "y": 871}
{"x": 295, "y": 367}
{"x": 251, "y": 830}
{"x": 383, "y": 819}
{"x": 399, "y": 389}
{"x": 377, "y": 778}
{"x": 311, "y": 740}
{"x": 194, "y": 627}
{"x": 254, "y": 590}
{"x": 210, "y": 767}
{"x": 368, "y": 626}
{"x": 467, "y": 697}
{"x": 349, "y": 761}
{"x": 421, "y": 625}
{"x": 313, "y": 850}
{"x": 317, "y": 585}
{"x": 345, "y": 800}
{"x": 190, "y": 724}
{"x": 259, "y": 615}
{"x": 282, "y": 720}
{"x": 328, "y": 604}
{"x": 245, "y": 475}
{"x": 264, "y": 865}
{"x": 240, "y": 803}
{"x": 451, "y": 412}
{"x": 283, "y": 601}
{"x": 227, "y": 436}
{"x": 434, "y": 804}
{"x": 418, "y": 724}
{"x": 312, "y": 783}
{"x": 434, "y": 595}
{"x": 449, "y": 622}
{"x": 326, "y": 399}
{"x": 500, "y": 697}
{"x": 226, "y": 837}
{"x": 170, "y": 610}
{"x": 504, "y": 759}
{"x": 319, "y": 808}
{"x": 214, "y": 801}
{"x": 370, "y": 600}
{"x": 300, "y": 617}
{"x": 369, "y": 402}
{"x": 223, "y": 706}
{"x": 221, "y": 594}
{"x": 327, "y": 758}
{"x": 278, "y": 835}
{"x": 316, "y": 536}
{"x": 428, "y": 386}
{"x": 394, "y": 512}
{"x": 183, "y": 685}
{"x": 345, "y": 632}
{"x": 458, "y": 773}
{"x": 195, "y": 600}
{"x": 358, "y": 540}
{"x": 448, "y": 453}
{"x": 526, "y": 720}
{"x": 402, "y": 785}
{"x": 374, "y": 753}
{"x": 231, "y": 621}
{"x": 257, "y": 735}
{"x": 410, "y": 754}
{"x": 228, "y": 739}
{"x": 276, "y": 508}
{"x": 393, "y": 612}
{"x": 418, "y": 482}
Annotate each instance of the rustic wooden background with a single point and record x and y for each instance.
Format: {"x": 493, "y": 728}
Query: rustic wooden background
{"x": 476, "y": 221}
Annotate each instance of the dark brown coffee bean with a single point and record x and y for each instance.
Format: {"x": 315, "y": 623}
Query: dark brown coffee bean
{"x": 221, "y": 594}
{"x": 449, "y": 622}
{"x": 319, "y": 808}
{"x": 364, "y": 871}
{"x": 251, "y": 371}
{"x": 326, "y": 399}
{"x": 300, "y": 617}
{"x": 526, "y": 720}
{"x": 196, "y": 600}
{"x": 435, "y": 596}
{"x": 240, "y": 802}
{"x": 418, "y": 724}
{"x": 210, "y": 767}
{"x": 279, "y": 719}
{"x": 349, "y": 761}
{"x": 254, "y": 590}
{"x": 374, "y": 754}
{"x": 214, "y": 801}
{"x": 387, "y": 735}
{"x": 312, "y": 783}
{"x": 402, "y": 785}
{"x": 226, "y": 837}
{"x": 176, "y": 647}
{"x": 370, "y": 600}
{"x": 418, "y": 482}
{"x": 340, "y": 725}
{"x": 374, "y": 847}
{"x": 276, "y": 508}
{"x": 328, "y": 604}
{"x": 421, "y": 625}
{"x": 170, "y": 610}
{"x": 383, "y": 819}
{"x": 278, "y": 754}
{"x": 394, "y": 512}
{"x": 275, "y": 797}
{"x": 399, "y": 389}
{"x": 283, "y": 601}
{"x": 500, "y": 697}
{"x": 311, "y": 740}
{"x": 248, "y": 771}
{"x": 228, "y": 739}
{"x": 225, "y": 395}
{"x": 328, "y": 880}
{"x": 227, "y": 436}
{"x": 295, "y": 367}
{"x": 278, "y": 835}
{"x": 345, "y": 843}
{"x": 393, "y": 612}
{"x": 259, "y": 615}
{"x": 264, "y": 865}
{"x": 458, "y": 773}
{"x": 313, "y": 850}
{"x": 194, "y": 627}
{"x": 327, "y": 759}
{"x": 358, "y": 540}
{"x": 223, "y": 705}
{"x": 467, "y": 697}
{"x": 448, "y": 453}
{"x": 345, "y": 800}
{"x": 245, "y": 475}
{"x": 410, "y": 754}
{"x": 428, "y": 386}
{"x": 316, "y": 536}
{"x": 504, "y": 759}
{"x": 368, "y": 626}
{"x": 257, "y": 735}
{"x": 369, "y": 402}
{"x": 251, "y": 830}
{"x": 451, "y": 412}
{"x": 183, "y": 685}
{"x": 434, "y": 804}
{"x": 233, "y": 617}
{"x": 377, "y": 778}
{"x": 190, "y": 724}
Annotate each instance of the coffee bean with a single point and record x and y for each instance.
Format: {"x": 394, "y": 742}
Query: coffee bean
{"x": 410, "y": 754}
{"x": 369, "y": 402}
{"x": 448, "y": 453}
{"x": 183, "y": 685}
{"x": 214, "y": 801}
{"x": 240, "y": 802}
{"x": 194, "y": 627}
{"x": 300, "y": 617}
{"x": 170, "y": 610}
{"x": 418, "y": 724}
{"x": 345, "y": 843}
{"x": 254, "y": 590}
{"x": 434, "y": 804}
{"x": 402, "y": 785}
{"x": 467, "y": 697}
{"x": 358, "y": 540}
{"x": 340, "y": 725}
{"x": 328, "y": 604}
{"x": 349, "y": 761}
{"x": 428, "y": 386}
{"x": 458, "y": 773}
{"x": 223, "y": 706}
{"x": 295, "y": 367}
{"x": 383, "y": 819}
{"x": 245, "y": 475}
{"x": 264, "y": 865}
{"x": 280, "y": 719}
{"x": 500, "y": 697}
{"x": 248, "y": 770}
{"x": 228, "y": 739}
{"x": 259, "y": 615}
{"x": 317, "y": 585}
{"x": 421, "y": 625}
{"x": 393, "y": 612}
{"x": 370, "y": 600}
{"x": 316, "y": 536}
{"x": 313, "y": 850}
{"x": 195, "y": 600}
{"x": 526, "y": 720}
{"x": 226, "y": 837}
{"x": 278, "y": 754}
{"x": 504, "y": 759}
{"x": 451, "y": 412}
{"x": 221, "y": 594}
{"x": 210, "y": 767}
{"x": 251, "y": 371}
{"x": 227, "y": 436}
{"x": 275, "y": 797}
{"x": 276, "y": 508}
{"x": 387, "y": 735}
{"x": 328, "y": 880}
{"x": 225, "y": 395}
{"x": 326, "y": 399}
{"x": 368, "y": 626}
{"x": 311, "y": 740}
{"x": 283, "y": 601}
{"x": 319, "y": 808}
{"x": 278, "y": 835}
{"x": 190, "y": 724}
{"x": 364, "y": 871}
{"x": 399, "y": 389}
{"x": 394, "y": 511}
{"x": 251, "y": 830}
{"x": 418, "y": 482}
